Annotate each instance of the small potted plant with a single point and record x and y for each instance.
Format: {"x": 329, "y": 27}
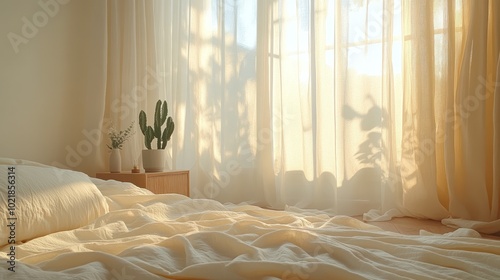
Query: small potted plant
{"x": 153, "y": 160}
{"x": 117, "y": 139}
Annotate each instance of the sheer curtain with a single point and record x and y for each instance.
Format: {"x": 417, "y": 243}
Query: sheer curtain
{"x": 344, "y": 106}
{"x": 137, "y": 72}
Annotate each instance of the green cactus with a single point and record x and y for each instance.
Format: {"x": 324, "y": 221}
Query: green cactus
{"x": 162, "y": 138}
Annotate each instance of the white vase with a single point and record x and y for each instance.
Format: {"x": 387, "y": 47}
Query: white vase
{"x": 153, "y": 160}
{"x": 115, "y": 161}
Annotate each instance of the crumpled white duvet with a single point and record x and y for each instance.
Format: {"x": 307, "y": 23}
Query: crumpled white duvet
{"x": 147, "y": 236}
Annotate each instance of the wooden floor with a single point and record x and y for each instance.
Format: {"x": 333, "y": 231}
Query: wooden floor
{"x": 412, "y": 226}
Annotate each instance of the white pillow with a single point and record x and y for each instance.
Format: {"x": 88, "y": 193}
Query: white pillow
{"x": 46, "y": 200}
{"x": 14, "y": 161}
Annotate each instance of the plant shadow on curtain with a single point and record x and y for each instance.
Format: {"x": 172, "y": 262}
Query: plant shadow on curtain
{"x": 263, "y": 119}
{"x": 344, "y": 106}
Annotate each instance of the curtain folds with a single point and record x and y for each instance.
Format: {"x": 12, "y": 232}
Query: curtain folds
{"x": 348, "y": 106}
{"x": 138, "y": 72}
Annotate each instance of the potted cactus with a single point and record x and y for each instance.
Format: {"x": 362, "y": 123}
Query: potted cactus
{"x": 153, "y": 160}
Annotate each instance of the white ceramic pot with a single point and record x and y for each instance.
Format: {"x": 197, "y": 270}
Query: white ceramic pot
{"x": 115, "y": 161}
{"x": 153, "y": 160}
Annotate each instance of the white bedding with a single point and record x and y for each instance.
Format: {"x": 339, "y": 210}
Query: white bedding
{"x": 146, "y": 236}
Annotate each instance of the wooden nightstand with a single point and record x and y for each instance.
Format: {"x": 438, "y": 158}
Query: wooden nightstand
{"x": 157, "y": 182}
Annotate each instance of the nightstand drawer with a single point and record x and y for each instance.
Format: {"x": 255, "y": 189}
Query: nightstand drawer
{"x": 157, "y": 182}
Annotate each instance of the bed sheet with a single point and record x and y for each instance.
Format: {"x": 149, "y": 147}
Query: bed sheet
{"x": 170, "y": 236}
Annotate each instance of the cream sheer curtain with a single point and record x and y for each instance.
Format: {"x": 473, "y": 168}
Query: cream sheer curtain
{"x": 137, "y": 71}
{"x": 344, "y": 106}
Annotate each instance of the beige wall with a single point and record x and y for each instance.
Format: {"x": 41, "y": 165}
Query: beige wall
{"x": 52, "y": 71}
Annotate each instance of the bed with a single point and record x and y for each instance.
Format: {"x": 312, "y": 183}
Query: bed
{"x": 70, "y": 226}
